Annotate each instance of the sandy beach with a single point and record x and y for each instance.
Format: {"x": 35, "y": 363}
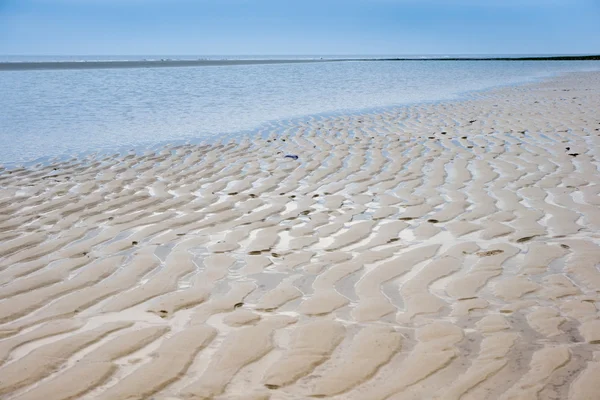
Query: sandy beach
{"x": 438, "y": 251}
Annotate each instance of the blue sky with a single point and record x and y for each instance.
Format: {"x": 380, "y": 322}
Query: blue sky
{"x": 63, "y": 27}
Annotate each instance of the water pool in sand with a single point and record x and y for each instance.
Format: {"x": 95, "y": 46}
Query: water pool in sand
{"x": 65, "y": 112}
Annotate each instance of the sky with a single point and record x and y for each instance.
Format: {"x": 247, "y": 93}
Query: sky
{"x": 280, "y": 27}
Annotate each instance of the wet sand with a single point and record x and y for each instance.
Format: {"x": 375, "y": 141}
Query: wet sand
{"x": 439, "y": 251}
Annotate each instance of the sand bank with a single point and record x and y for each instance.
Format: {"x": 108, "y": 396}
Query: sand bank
{"x": 440, "y": 251}
{"x": 170, "y": 63}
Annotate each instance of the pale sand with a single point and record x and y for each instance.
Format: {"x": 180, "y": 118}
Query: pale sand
{"x": 441, "y": 251}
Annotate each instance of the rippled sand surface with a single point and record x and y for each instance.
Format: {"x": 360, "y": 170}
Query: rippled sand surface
{"x": 441, "y": 251}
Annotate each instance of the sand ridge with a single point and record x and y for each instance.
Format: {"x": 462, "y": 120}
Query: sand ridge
{"x": 443, "y": 251}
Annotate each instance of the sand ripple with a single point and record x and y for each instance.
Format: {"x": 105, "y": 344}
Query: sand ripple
{"x": 440, "y": 251}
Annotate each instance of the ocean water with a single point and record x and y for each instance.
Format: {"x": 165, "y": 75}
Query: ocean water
{"x": 52, "y": 113}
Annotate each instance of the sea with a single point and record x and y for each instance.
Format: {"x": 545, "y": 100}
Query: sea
{"x": 47, "y": 114}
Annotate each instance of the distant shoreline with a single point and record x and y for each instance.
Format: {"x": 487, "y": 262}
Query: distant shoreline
{"x": 551, "y": 58}
{"x": 62, "y": 65}
{"x": 46, "y": 65}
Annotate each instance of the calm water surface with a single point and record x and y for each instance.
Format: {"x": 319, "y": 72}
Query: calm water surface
{"x": 65, "y": 112}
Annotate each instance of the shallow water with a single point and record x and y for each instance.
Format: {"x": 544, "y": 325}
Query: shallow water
{"x": 65, "y": 112}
